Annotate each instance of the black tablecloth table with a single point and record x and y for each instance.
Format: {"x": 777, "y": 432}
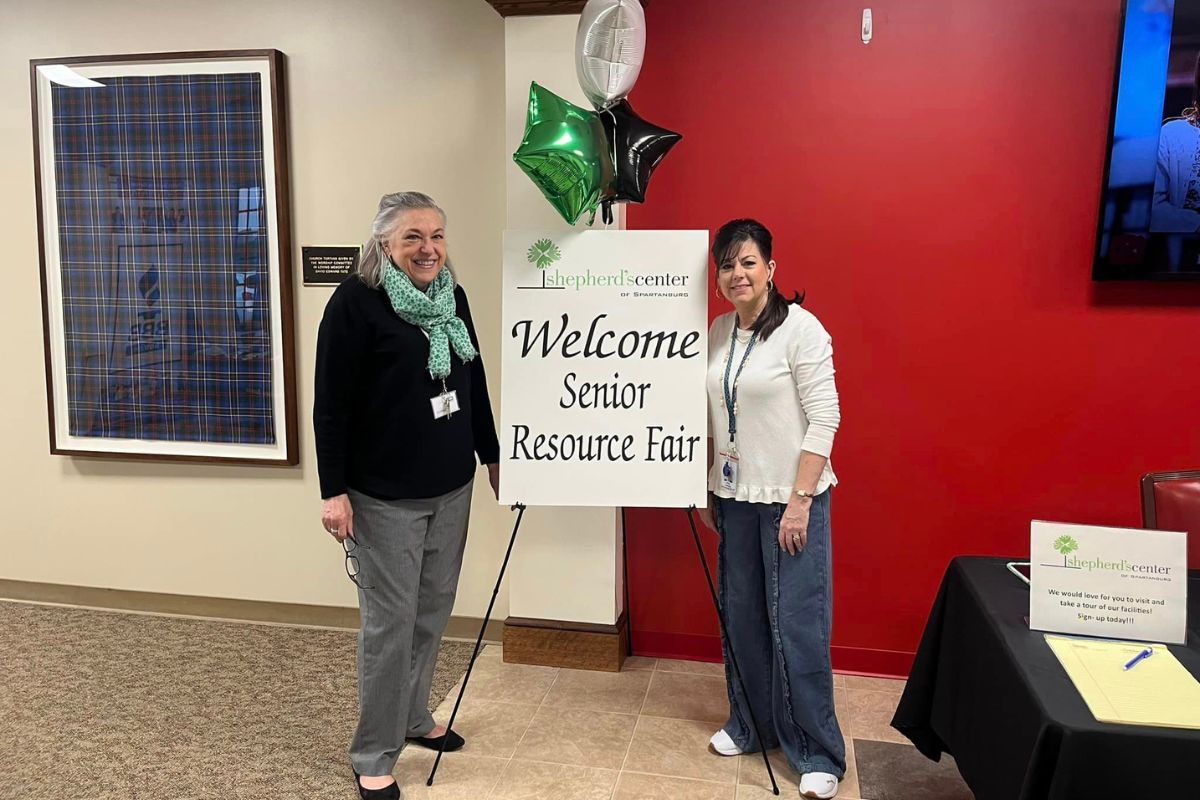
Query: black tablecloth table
{"x": 990, "y": 692}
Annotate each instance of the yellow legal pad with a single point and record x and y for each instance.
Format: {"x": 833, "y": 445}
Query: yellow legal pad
{"x": 1156, "y": 691}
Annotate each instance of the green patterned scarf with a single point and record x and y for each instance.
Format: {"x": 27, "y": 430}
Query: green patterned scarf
{"x": 432, "y": 311}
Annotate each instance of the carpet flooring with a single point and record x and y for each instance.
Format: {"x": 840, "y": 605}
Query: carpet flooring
{"x": 113, "y": 706}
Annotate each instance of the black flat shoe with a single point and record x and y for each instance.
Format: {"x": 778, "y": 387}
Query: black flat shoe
{"x": 386, "y": 793}
{"x": 453, "y": 741}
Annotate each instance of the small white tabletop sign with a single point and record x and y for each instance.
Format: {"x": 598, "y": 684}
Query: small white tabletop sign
{"x": 1121, "y": 583}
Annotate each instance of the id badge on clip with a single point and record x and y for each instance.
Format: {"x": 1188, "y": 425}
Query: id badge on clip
{"x": 729, "y": 469}
{"x": 444, "y": 404}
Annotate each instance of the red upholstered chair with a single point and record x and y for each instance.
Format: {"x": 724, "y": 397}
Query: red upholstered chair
{"x": 1171, "y": 502}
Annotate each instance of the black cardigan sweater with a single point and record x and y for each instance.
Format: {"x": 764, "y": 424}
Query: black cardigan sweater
{"x": 374, "y": 426}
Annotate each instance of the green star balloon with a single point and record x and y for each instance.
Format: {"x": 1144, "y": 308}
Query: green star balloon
{"x": 565, "y": 154}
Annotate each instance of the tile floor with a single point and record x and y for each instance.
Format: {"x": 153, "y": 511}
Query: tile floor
{"x": 562, "y": 734}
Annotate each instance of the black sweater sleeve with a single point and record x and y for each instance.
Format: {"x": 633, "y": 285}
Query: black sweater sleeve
{"x": 483, "y": 424}
{"x": 342, "y": 341}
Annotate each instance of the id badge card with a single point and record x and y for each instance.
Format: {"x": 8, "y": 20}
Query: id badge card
{"x": 729, "y": 470}
{"x": 444, "y": 404}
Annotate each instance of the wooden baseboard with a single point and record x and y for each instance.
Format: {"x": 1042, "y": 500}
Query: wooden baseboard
{"x": 577, "y": 645}
{"x": 467, "y": 629}
{"x": 223, "y": 608}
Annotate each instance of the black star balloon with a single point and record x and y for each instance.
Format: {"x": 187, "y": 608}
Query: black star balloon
{"x": 636, "y": 147}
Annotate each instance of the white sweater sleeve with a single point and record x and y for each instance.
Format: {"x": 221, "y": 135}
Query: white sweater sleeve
{"x": 811, "y": 360}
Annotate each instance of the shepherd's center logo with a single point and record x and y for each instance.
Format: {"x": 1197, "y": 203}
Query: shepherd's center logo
{"x": 545, "y": 253}
{"x": 542, "y": 254}
{"x": 1066, "y": 545}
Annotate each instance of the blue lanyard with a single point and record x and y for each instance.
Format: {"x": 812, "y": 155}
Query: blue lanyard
{"x": 731, "y": 392}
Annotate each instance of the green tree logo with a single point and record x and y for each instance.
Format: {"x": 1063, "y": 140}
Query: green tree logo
{"x": 1065, "y": 545}
{"x": 544, "y": 253}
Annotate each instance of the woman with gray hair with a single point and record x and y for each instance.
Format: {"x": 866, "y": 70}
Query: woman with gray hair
{"x": 401, "y": 410}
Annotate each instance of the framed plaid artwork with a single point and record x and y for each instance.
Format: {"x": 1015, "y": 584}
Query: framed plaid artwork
{"x": 163, "y": 214}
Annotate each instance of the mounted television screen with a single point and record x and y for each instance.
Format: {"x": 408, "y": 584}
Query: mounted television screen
{"x": 1150, "y": 208}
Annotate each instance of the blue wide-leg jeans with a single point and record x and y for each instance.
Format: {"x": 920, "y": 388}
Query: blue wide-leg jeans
{"x": 779, "y": 615}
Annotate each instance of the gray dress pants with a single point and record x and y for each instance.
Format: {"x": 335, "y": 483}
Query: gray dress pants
{"x": 410, "y": 553}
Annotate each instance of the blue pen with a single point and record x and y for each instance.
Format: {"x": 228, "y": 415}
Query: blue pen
{"x": 1149, "y": 651}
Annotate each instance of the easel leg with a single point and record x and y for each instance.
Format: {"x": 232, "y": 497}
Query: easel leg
{"x": 520, "y": 509}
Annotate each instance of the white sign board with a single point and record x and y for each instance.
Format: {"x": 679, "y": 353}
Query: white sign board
{"x": 1124, "y": 583}
{"x": 604, "y": 360}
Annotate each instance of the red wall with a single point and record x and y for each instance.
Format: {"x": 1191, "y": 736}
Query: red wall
{"x": 935, "y": 192}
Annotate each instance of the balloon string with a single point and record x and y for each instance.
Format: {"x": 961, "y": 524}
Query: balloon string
{"x": 613, "y": 143}
{"x": 608, "y": 216}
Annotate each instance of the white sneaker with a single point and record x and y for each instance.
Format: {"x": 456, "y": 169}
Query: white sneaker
{"x": 722, "y": 745}
{"x": 820, "y": 785}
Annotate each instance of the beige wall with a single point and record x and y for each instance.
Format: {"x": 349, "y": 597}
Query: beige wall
{"x": 384, "y": 95}
{"x": 567, "y": 562}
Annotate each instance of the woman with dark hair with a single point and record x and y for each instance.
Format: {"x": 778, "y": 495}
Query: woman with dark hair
{"x": 774, "y": 411}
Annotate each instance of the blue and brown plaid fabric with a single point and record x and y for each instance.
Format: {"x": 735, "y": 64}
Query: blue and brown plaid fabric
{"x": 165, "y": 278}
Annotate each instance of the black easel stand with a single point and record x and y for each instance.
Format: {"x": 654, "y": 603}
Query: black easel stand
{"x": 691, "y": 512}
{"x": 520, "y": 509}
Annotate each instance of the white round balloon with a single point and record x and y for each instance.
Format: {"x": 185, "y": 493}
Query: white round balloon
{"x": 609, "y": 47}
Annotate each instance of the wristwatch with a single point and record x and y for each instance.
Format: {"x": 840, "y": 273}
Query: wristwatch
{"x": 802, "y": 493}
